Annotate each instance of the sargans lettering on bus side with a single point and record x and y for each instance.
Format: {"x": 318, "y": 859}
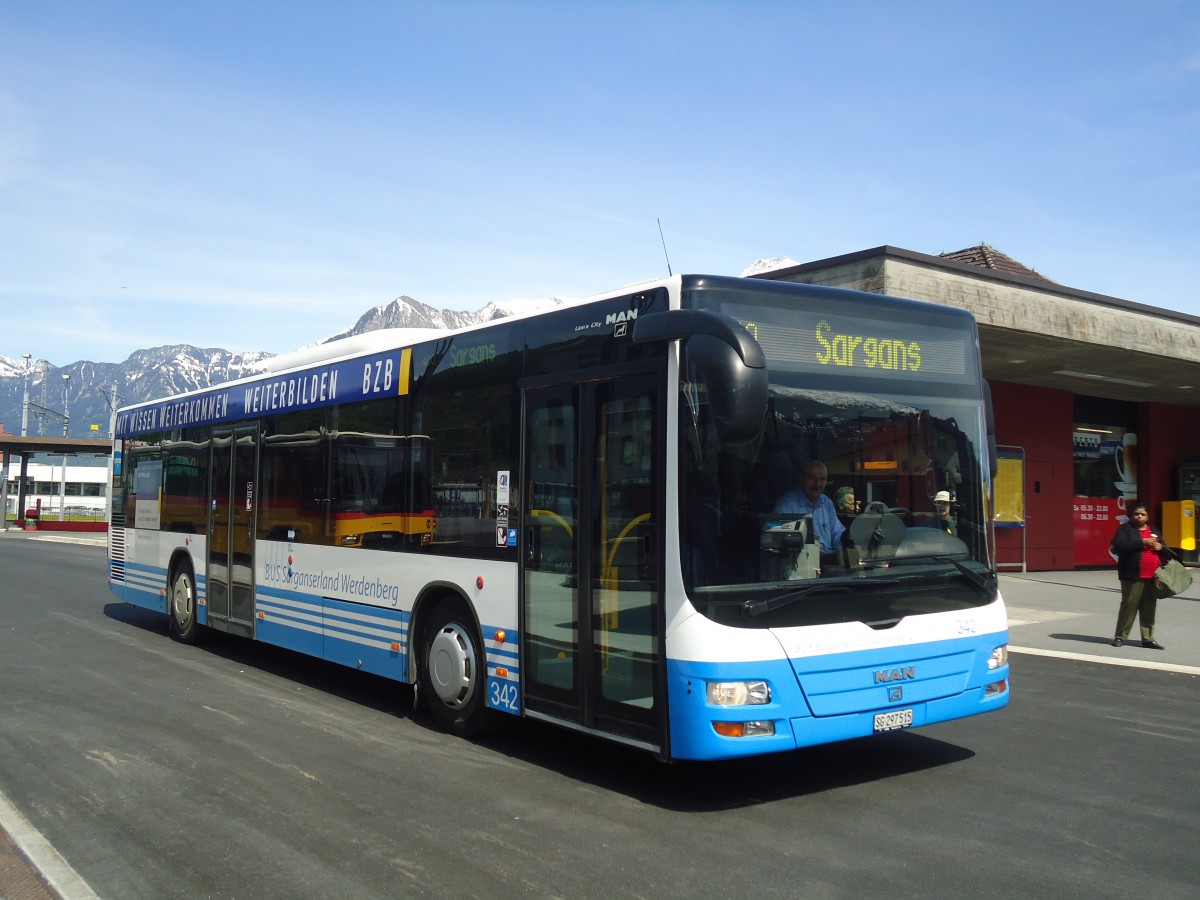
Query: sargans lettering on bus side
{"x": 291, "y": 393}
{"x": 470, "y": 356}
{"x": 457, "y": 357}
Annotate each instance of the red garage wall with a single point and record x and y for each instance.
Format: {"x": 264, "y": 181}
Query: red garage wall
{"x": 1171, "y": 436}
{"x": 1041, "y": 422}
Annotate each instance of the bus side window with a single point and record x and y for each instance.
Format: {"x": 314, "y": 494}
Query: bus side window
{"x": 292, "y": 488}
{"x": 466, "y": 415}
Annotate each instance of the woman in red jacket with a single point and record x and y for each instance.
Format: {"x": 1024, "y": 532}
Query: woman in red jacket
{"x": 1138, "y": 552}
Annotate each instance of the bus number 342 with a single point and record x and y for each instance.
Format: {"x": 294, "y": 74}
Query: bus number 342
{"x": 503, "y": 695}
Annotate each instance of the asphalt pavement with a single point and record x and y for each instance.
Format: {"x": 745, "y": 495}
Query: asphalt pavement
{"x": 1068, "y": 614}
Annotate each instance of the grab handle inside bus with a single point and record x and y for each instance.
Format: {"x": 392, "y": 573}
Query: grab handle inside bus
{"x": 532, "y": 551}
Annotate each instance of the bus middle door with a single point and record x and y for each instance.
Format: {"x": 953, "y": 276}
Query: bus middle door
{"x": 591, "y": 569}
{"x": 231, "y": 530}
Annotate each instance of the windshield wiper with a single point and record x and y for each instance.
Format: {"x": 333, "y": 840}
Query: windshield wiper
{"x": 977, "y": 580}
{"x": 756, "y": 607}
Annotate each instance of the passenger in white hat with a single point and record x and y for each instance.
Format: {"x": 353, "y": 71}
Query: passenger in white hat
{"x": 941, "y": 502}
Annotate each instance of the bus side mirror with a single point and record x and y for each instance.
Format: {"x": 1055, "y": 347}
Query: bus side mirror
{"x": 727, "y": 358}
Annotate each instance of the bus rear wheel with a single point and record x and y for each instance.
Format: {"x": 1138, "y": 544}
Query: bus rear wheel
{"x": 453, "y": 672}
{"x": 182, "y": 611}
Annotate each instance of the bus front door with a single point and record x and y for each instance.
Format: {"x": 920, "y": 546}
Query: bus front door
{"x": 231, "y": 530}
{"x": 591, "y": 557}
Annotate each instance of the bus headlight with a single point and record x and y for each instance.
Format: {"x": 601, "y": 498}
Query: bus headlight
{"x": 738, "y": 693}
{"x": 999, "y": 657}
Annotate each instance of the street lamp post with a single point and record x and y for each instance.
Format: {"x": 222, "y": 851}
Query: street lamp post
{"x": 25, "y": 399}
{"x": 62, "y": 496}
{"x": 66, "y": 404}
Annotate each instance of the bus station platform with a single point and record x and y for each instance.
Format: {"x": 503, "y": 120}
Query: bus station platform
{"x": 1068, "y": 614}
{"x": 1073, "y": 614}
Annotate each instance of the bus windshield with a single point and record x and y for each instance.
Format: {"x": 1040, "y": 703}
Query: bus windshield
{"x": 864, "y": 497}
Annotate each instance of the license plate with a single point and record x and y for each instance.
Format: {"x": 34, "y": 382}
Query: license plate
{"x": 890, "y": 721}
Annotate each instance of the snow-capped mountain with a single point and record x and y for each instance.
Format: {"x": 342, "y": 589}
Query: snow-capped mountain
{"x": 405, "y": 312}
{"x": 84, "y": 388}
{"x": 161, "y": 371}
{"x": 768, "y": 265}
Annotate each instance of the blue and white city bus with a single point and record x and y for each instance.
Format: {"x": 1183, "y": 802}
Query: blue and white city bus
{"x": 575, "y": 516}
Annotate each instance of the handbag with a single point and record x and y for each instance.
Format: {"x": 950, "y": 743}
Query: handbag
{"x": 1171, "y": 578}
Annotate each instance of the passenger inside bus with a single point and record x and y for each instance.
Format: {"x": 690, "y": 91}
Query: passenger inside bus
{"x": 941, "y": 519}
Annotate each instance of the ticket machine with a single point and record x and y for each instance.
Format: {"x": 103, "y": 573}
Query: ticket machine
{"x": 1179, "y": 528}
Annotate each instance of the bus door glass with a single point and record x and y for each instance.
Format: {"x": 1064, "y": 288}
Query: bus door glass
{"x": 591, "y": 555}
{"x": 231, "y": 536}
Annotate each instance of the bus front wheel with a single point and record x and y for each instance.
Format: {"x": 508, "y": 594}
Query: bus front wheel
{"x": 184, "y": 627}
{"x": 454, "y": 672}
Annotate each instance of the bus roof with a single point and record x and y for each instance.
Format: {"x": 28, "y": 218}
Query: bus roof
{"x": 338, "y": 371}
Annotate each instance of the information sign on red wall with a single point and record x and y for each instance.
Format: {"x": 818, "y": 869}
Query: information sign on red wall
{"x": 1096, "y": 519}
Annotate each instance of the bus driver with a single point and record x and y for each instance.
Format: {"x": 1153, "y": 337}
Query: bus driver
{"x": 810, "y": 499}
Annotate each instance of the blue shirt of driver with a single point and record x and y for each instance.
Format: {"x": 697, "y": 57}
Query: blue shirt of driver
{"x": 826, "y": 525}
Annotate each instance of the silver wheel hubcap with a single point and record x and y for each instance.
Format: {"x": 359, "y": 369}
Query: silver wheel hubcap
{"x": 452, "y": 666}
{"x": 182, "y": 599}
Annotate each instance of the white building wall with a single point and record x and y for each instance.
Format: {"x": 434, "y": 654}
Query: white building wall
{"x": 50, "y": 474}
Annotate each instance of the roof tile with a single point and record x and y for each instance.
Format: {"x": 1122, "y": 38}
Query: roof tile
{"x": 988, "y": 257}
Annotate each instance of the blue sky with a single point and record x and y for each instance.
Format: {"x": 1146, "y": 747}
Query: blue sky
{"x": 256, "y": 175}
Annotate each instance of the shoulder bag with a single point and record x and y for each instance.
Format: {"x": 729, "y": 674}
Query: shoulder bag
{"x": 1171, "y": 579}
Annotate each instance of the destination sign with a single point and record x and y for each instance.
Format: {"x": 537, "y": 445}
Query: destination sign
{"x": 365, "y": 378}
{"x": 854, "y": 345}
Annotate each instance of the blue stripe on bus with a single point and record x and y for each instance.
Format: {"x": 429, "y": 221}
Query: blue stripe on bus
{"x": 502, "y": 654}
{"x": 938, "y": 698}
{"x": 145, "y": 586}
{"x": 498, "y": 657}
{"x": 373, "y": 639}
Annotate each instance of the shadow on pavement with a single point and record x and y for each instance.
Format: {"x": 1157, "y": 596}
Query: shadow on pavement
{"x": 680, "y": 786}
{"x": 1083, "y": 638}
{"x": 699, "y": 787}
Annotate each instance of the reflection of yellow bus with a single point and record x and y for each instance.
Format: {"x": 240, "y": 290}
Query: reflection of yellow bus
{"x": 349, "y": 489}
{"x": 380, "y": 494}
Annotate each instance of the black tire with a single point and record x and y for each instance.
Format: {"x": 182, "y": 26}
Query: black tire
{"x": 453, "y": 671}
{"x": 181, "y": 607}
